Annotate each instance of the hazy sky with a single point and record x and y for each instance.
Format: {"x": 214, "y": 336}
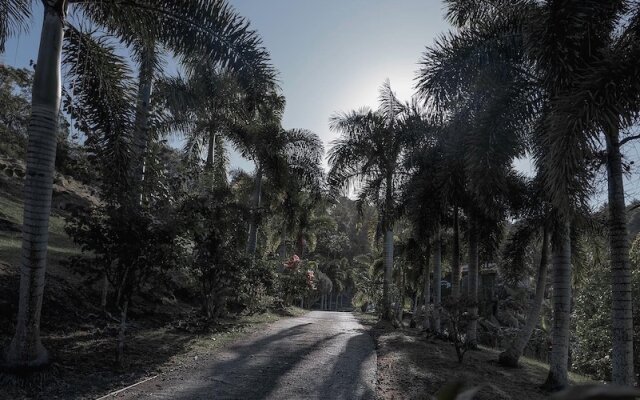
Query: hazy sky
{"x": 332, "y": 54}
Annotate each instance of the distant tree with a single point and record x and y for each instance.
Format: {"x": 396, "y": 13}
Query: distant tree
{"x": 368, "y": 155}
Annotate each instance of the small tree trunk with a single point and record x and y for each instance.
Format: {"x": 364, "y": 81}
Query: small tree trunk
{"x": 472, "y": 330}
{"x": 388, "y": 269}
{"x": 26, "y": 349}
{"x": 123, "y": 283}
{"x": 121, "y": 335}
{"x": 105, "y": 292}
{"x": 622, "y": 304}
{"x": 512, "y": 354}
{"x": 455, "y": 257}
{"x": 252, "y": 241}
{"x": 559, "y": 359}
{"x": 437, "y": 277}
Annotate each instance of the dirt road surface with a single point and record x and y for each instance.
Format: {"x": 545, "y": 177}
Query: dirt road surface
{"x": 322, "y": 355}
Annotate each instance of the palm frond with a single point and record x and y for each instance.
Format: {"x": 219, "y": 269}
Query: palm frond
{"x": 14, "y": 19}
{"x": 100, "y": 99}
{"x": 196, "y": 30}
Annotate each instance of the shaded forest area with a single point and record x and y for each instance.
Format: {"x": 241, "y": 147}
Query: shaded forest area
{"x": 122, "y": 254}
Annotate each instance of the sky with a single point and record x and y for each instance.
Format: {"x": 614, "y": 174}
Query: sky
{"x": 333, "y": 55}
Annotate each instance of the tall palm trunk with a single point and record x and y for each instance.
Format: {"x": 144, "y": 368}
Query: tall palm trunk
{"x": 252, "y": 241}
{"x": 512, "y": 354}
{"x": 400, "y": 305}
{"x": 26, "y": 349}
{"x": 472, "y": 330}
{"x": 210, "y": 151}
{"x": 437, "y": 277}
{"x": 622, "y": 306}
{"x": 561, "y": 279}
{"x": 141, "y": 131}
{"x": 283, "y": 242}
{"x": 219, "y": 163}
{"x": 455, "y": 256}
{"x": 426, "y": 324}
{"x": 388, "y": 250}
{"x": 388, "y": 268}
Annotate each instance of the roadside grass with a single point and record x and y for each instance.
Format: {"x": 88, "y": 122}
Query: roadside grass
{"x": 367, "y": 319}
{"x": 412, "y": 365}
{"x": 243, "y": 326}
{"x": 60, "y": 244}
{"x": 84, "y": 352}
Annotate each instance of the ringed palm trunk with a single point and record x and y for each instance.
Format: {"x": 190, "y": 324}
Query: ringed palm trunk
{"x": 388, "y": 269}
{"x": 141, "y": 132}
{"x": 561, "y": 279}
{"x": 437, "y": 277}
{"x": 252, "y": 241}
{"x": 512, "y": 354}
{"x": 388, "y": 250}
{"x": 400, "y": 306}
{"x": 26, "y": 349}
{"x": 472, "y": 329}
{"x": 622, "y": 307}
{"x": 426, "y": 324}
{"x": 455, "y": 261}
{"x": 210, "y": 151}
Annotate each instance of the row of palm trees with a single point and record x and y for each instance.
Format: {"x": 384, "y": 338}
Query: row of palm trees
{"x": 555, "y": 80}
{"x": 228, "y": 93}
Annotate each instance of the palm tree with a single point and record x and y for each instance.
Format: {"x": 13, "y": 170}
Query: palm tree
{"x": 455, "y": 255}
{"x": 604, "y": 100}
{"x": 452, "y": 73}
{"x": 561, "y": 281}
{"x": 255, "y": 133}
{"x": 588, "y": 71}
{"x": 291, "y": 159}
{"x": 368, "y": 155}
{"x": 202, "y": 107}
{"x": 210, "y": 29}
{"x": 534, "y": 223}
{"x": 437, "y": 279}
{"x": 484, "y": 115}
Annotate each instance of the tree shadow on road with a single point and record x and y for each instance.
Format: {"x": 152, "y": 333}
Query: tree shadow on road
{"x": 254, "y": 369}
{"x": 350, "y": 377}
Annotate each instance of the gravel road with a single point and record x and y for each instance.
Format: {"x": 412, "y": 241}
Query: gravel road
{"x": 322, "y": 355}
